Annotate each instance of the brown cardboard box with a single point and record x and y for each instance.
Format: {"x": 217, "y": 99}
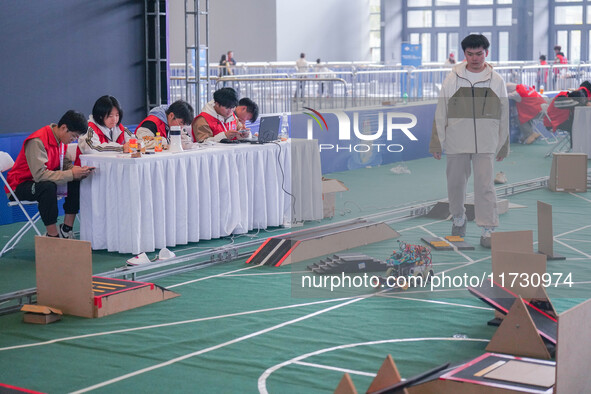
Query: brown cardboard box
{"x": 568, "y": 172}
{"x": 40, "y": 314}
{"x": 329, "y": 189}
{"x": 59, "y": 258}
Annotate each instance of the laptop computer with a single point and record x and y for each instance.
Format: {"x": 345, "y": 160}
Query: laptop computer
{"x": 268, "y": 129}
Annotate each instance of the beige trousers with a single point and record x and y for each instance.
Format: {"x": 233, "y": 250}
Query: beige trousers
{"x": 485, "y": 200}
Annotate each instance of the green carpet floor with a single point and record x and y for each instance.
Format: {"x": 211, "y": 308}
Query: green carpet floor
{"x": 242, "y": 329}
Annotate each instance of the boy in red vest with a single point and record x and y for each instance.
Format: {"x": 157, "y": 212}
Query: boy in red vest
{"x": 105, "y": 131}
{"x": 529, "y": 105}
{"x": 217, "y": 120}
{"x": 180, "y": 113}
{"x": 41, "y": 166}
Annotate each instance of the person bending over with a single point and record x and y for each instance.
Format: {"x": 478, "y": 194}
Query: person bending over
{"x": 161, "y": 118}
{"x": 216, "y": 120}
{"x": 246, "y": 111}
{"x": 529, "y": 106}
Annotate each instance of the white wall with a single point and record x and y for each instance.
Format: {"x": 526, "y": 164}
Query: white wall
{"x": 246, "y": 27}
{"x": 333, "y": 30}
{"x": 392, "y": 31}
{"x": 540, "y": 33}
{"x": 278, "y": 30}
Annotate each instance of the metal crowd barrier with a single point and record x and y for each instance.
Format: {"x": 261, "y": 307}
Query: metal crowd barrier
{"x": 277, "y": 87}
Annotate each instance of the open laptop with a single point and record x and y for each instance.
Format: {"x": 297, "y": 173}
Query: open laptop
{"x": 268, "y": 129}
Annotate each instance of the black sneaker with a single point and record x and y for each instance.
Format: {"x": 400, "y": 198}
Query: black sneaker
{"x": 459, "y": 231}
{"x": 485, "y": 242}
{"x": 65, "y": 234}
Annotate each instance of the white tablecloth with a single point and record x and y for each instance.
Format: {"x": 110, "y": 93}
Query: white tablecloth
{"x": 167, "y": 199}
{"x": 581, "y": 133}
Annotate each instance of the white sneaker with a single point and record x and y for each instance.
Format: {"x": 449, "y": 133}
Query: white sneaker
{"x": 65, "y": 234}
{"x": 500, "y": 178}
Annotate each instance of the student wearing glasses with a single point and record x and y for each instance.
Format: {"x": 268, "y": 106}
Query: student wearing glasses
{"x": 161, "y": 118}
{"x": 41, "y": 166}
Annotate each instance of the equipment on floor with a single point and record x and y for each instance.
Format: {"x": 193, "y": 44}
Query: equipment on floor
{"x": 348, "y": 263}
{"x": 451, "y": 242}
{"x": 307, "y": 244}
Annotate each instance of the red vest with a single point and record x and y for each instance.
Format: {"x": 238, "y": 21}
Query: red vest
{"x": 530, "y": 105}
{"x": 216, "y": 125}
{"x": 21, "y": 172}
{"x": 160, "y": 125}
{"x": 102, "y": 138}
{"x": 557, "y": 115}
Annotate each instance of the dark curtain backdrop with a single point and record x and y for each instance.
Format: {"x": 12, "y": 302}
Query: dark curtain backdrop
{"x": 64, "y": 54}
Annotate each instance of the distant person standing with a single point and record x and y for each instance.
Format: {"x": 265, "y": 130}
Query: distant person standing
{"x": 323, "y": 72}
{"x": 451, "y": 60}
{"x": 559, "y": 58}
{"x": 542, "y": 79}
{"x": 224, "y": 69}
{"x": 231, "y": 60}
{"x": 301, "y": 67}
{"x": 471, "y": 126}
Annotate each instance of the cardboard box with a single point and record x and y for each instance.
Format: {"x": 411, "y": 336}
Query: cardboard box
{"x": 329, "y": 189}
{"x": 83, "y": 294}
{"x": 568, "y": 172}
{"x": 40, "y": 314}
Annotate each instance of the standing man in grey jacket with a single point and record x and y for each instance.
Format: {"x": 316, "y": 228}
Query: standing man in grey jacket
{"x": 472, "y": 127}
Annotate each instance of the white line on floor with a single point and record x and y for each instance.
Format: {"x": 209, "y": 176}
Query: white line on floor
{"x": 270, "y": 273}
{"x": 421, "y": 225}
{"x": 262, "y": 383}
{"x": 211, "y": 276}
{"x": 218, "y": 346}
{"x": 343, "y": 370}
{"x": 581, "y": 197}
{"x": 576, "y": 240}
{"x": 440, "y": 302}
{"x": 571, "y": 247}
{"x": 169, "y": 324}
{"x": 572, "y": 231}
{"x": 455, "y": 248}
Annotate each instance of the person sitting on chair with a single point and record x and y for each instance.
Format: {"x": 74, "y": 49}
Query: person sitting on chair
{"x": 246, "y": 111}
{"x": 41, "y": 166}
{"x": 161, "y": 118}
{"x": 561, "y": 110}
{"x": 529, "y": 106}
{"x": 105, "y": 131}
{"x": 216, "y": 120}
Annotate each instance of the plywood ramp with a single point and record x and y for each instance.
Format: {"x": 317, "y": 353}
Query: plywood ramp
{"x": 307, "y": 244}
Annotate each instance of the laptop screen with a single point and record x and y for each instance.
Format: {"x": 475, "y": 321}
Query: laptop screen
{"x": 269, "y": 128}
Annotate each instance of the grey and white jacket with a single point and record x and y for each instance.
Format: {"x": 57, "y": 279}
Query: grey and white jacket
{"x": 471, "y": 118}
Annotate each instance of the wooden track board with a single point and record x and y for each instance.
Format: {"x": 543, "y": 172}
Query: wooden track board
{"x": 459, "y": 245}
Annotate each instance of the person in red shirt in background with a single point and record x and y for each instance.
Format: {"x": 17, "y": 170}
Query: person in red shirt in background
{"x": 529, "y": 106}
{"x": 542, "y": 80}
{"x": 559, "y": 59}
